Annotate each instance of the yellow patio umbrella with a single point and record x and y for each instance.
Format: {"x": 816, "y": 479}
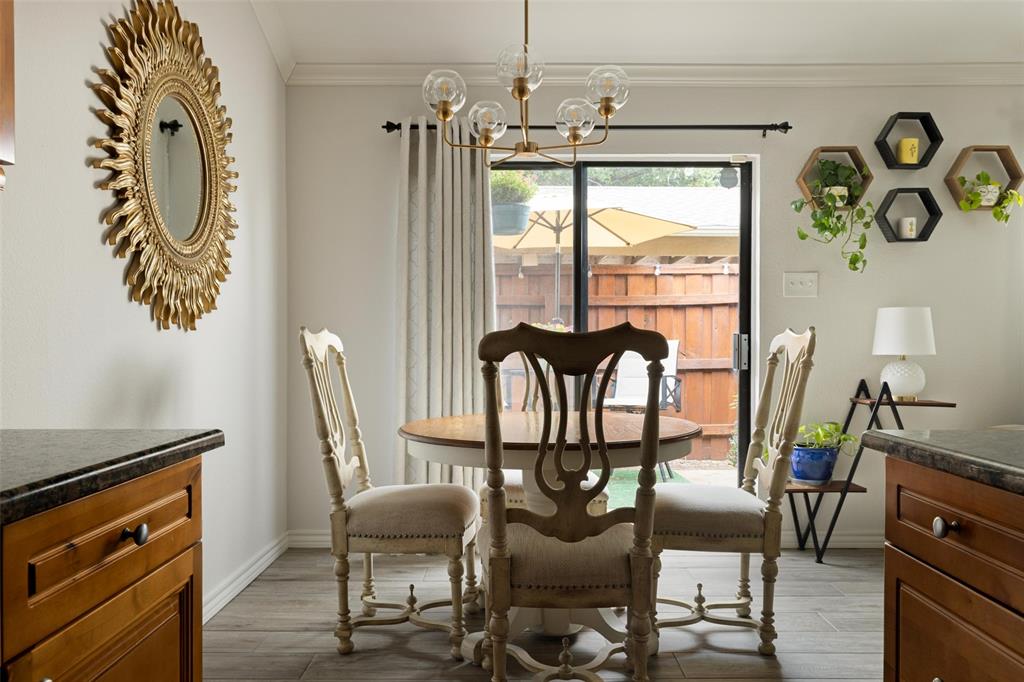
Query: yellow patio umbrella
{"x": 606, "y": 228}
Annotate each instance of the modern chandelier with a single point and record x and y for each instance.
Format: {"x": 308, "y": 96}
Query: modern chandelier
{"x": 521, "y": 72}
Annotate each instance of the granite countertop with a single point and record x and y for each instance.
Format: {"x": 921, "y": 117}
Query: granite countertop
{"x": 45, "y": 468}
{"x": 994, "y": 457}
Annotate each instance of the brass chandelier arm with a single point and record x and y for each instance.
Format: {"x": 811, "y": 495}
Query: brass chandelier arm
{"x": 567, "y": 164}
{"x": 581, "y": 144}
{"x": 492, "y": 164}
{"x": 447, "y": 140}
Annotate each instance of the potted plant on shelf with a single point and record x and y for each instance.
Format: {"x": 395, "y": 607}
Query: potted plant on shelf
{"x": 838, "y": 179}
{"x": 831, "y": 220}
{"x": 814, "y": 456}
{"x": 511, "y": 192}
{"x": 984, "y": 192}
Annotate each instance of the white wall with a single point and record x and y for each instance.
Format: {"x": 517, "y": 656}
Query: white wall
{"x": 342, "y": 203}
{"x": 76, "y": 353}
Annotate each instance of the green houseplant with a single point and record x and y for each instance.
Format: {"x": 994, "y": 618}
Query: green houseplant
{"x": 831, "y": 219}
{"x": 982, "y": 192}
{"x": 814, "y": 456}
{"x": 511, "y": 192}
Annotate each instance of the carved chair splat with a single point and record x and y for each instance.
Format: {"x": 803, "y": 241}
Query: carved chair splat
{"x": 610, "y": 561}
{"x": 418, "y": 519}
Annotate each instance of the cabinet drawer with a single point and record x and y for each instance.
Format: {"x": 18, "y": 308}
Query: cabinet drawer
{"x": 984, "y": 542}
{"x": 938, "y": 629}
{"x": 148, "y": 632}
{"x": 59, "y": 564}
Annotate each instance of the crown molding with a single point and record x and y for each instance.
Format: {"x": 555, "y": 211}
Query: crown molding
{"x": 687, "y": 75}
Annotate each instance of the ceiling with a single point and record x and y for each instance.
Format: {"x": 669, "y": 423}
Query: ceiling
{"x": 661, "y": 32}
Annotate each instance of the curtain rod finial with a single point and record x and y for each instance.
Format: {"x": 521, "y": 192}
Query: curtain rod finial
{"x": 391, "y": 126}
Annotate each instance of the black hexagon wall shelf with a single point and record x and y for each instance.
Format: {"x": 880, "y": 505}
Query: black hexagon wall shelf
{"x": 931, "y": 131}
{"x": 927, "y": 200}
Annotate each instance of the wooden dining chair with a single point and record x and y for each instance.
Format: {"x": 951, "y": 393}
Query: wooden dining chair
{"x": 570, "y": 558}
{"x": 515, "y": 491}
{"x": 400, "y": 519}
{"x": 726, "y": 519}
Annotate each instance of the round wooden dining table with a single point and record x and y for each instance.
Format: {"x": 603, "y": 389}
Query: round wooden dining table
{"x": 459, "y": 441}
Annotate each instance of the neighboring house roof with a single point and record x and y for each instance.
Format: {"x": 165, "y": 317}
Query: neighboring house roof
{"x": 714, "y": 211}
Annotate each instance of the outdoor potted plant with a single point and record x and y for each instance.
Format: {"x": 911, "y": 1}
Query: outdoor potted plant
{"x": 511, "y": 192}
{"x": 814, "y": 456}
{"x": 984, "y": 192}
{"x": 831, "y": 221}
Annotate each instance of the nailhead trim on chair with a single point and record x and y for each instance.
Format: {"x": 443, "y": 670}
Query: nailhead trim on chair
{"x": 400, "y": 536}
{"x": 711, "y": 535}
{"x": 568, "y": 587}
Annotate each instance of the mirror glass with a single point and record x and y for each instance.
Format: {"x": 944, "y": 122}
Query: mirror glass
{"x": 177, "y": 168}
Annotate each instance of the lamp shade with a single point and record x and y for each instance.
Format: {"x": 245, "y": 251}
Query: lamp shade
{"x": 904, "y": 331}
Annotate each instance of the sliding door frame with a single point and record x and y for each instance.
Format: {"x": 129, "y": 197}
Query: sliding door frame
{"x": 580, "y": 288}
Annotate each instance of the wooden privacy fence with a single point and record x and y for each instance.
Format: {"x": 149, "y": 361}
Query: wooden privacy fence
{"x": 697, "y": 304}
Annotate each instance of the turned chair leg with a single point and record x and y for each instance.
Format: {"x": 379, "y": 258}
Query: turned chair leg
{"x": 344, "y": 630}
{"x": 472, "y": 598}
{"x": 458, "y": 632}
{"x": 639, "y": 626}
{"x": 769, "y": 571}
{"x": 655, "y": 575}
{"x": 744, "y": 587}
{"x": 486, "y": 649}
{"x": 368, "y": 590}
{"x": 499, "y": 636}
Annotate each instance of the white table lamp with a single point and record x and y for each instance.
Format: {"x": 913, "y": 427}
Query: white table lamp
{"x": 902, "y": 332}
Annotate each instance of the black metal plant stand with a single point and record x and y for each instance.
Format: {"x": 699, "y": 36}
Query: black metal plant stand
{"x": 847, "y": 486}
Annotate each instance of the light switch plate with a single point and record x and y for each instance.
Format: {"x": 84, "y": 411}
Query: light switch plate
{"x": 800, "y": 284}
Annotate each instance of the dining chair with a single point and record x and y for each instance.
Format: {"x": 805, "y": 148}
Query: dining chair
{"x": 515, "y": 491}
{"x": 726, "y": 519}
{"x": 570, "y": 558}
{"x": 629, "y": 386}
{"x": 439, "y": 519}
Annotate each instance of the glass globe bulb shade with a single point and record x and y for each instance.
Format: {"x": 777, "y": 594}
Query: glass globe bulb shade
{"x": 489, "y": 116}
{"x": 444, "y": 85}
{"x": 515, "y": 62}
{"x": 575, "y": 112}
{"x": 608, "y": 81}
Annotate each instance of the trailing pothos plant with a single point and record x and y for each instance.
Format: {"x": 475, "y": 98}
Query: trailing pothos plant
{"x": 830, "y": 220}
{"x": 824, "y": 435}
{"x": 974, "y": 188}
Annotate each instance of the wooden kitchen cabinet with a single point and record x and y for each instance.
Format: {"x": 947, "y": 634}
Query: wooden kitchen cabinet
{"x": 108, "y": 586}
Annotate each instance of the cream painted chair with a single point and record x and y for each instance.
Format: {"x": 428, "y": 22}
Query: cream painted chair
{"x": 407, "y": 519}
{"x": 726, "y": 519}
{"x": 569, "y": 558}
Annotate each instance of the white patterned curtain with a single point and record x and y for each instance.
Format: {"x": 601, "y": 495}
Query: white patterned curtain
{"x": 445, "y": 286}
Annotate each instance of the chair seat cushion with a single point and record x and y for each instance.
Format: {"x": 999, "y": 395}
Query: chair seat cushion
{"x": 432, "y": 510}
{"x": 515, "y": 494}
{"x": 708, "y": 511}
{"x": 543, "y": 563}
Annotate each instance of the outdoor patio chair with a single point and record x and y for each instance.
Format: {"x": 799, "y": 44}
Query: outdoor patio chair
{"x": 629, "y": 389}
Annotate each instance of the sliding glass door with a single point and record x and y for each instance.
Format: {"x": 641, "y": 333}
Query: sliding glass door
{"x": 663, "y": 246}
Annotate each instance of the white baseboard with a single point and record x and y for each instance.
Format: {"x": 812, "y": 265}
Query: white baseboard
{"x": 309, "y": 538}
{"x": 840, "y": 540}
{"x": 218, "y": 597}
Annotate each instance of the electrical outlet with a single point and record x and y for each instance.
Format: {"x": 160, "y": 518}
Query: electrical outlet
{"x": 800, "y": 284}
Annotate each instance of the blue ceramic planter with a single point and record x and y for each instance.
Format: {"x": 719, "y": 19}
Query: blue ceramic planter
{"x": 813, "y": 465}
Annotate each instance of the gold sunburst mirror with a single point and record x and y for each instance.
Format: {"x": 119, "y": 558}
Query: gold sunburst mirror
{"x": 167, "y": 154}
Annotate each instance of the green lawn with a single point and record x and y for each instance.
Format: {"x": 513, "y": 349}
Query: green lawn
{"x": 622, "y": 486}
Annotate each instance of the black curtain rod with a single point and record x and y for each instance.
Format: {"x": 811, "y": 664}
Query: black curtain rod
{"x": 784, "y": 127}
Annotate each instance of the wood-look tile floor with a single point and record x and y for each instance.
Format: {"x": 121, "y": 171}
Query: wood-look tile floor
{"x": 829, "y": 619}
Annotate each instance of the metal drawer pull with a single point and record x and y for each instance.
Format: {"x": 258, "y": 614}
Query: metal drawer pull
{"x": 937, "y": 679}
{"x": 940, "y": 529}
{"x": 139, "y": 535}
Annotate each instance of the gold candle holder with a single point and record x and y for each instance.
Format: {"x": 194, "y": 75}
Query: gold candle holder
{"x": 906, "y": 150}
